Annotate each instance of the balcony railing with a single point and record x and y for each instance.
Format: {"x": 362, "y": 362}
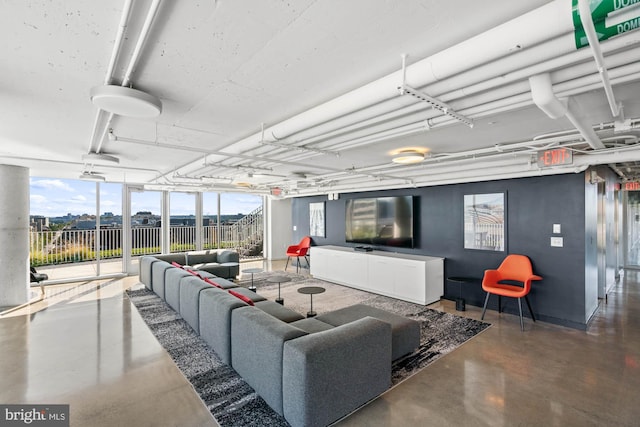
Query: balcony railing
{"x": 67, "y": 246}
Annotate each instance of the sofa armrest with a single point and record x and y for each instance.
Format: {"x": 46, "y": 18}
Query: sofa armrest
{"x": 327, "y": 375}
{"x": 257, "y": 340}
{"x": 228, "y": 256}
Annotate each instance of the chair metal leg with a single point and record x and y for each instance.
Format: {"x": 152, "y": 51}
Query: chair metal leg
{"x": 499, "y": 303}
{"x": 297, "y": 264}
{"x": 529, "y": 305}
{"x": 484, "y": 309}
{"x": 287, "y": 264}
{"x": 520, "y": 309}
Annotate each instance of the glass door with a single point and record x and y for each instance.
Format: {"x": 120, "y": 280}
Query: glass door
{"x": 632, "y": 229}
{"x": 143, "y": 232}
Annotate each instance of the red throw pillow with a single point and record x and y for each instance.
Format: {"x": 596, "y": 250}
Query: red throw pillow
{"x": 242, "y": 297}
{"x": 211, "y": 282}
{"x": 175, "y": 264}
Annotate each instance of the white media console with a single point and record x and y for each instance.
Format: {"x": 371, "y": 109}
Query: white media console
{"x": 413, "y": 278}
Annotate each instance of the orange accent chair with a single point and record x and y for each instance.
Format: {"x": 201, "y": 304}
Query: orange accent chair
{"x": 299, "y": 250}
{"x": 514, "y": 268}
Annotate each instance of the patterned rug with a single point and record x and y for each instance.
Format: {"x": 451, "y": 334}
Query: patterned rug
{"x": 231, "y": 400}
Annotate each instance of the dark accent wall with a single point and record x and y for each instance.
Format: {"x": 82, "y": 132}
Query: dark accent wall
{"x": 533, "y": 205}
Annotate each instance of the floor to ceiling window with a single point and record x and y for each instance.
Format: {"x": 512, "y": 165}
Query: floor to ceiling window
{"x": 77, "y": 227}
{"x": 182, "y": 222}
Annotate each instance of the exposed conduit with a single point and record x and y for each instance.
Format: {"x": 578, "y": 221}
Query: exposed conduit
{"x": 545, "y": 99}
{"x": 594, "y": 43}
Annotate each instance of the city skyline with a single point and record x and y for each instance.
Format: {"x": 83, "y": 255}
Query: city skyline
{"x": 52, "y": 197}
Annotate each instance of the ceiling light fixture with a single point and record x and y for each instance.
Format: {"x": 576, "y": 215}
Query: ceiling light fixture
{"x": 408, "y": 157}
{"x": 100, "y": 158}
{"x": 126, "y": 101}
{"x": 91, "y": 176}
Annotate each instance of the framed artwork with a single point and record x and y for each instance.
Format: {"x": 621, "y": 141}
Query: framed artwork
{"x": 484, "y": 221}
{"x": 316, "y": 219}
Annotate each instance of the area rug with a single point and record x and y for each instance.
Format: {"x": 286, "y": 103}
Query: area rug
{"x": 230, "y": 399}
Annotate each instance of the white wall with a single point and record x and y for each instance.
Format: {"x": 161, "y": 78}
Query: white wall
{"x": 278, "y": 228}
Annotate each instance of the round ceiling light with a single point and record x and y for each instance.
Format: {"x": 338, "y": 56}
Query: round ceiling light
{"x": 408, "y": 157}
{"x": 100, "y": 158}
{"x": 125, "y": 101}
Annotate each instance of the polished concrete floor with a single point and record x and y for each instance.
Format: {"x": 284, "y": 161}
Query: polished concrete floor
{"x": 85, "y": 345}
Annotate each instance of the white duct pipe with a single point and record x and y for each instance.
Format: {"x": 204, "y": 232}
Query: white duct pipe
{"x": 594, "y": 43}
{"x": 512, "y": 68}
{"x": 142, "y": 38}
{"x": 484, "y": 48}
{"x": 480, "y": 106}
{"x": 520, "y": 87}
{"x": 545, "y": 99}
{"x": 124, "y": 19}
{"x": 133, "y": 62}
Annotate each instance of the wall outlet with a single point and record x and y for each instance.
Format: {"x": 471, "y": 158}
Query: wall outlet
{"x": 295, "y": 227}
{"x": 557, "y": 242}
{"x": 556, "y": 228}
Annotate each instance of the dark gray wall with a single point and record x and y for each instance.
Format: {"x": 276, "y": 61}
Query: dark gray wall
{"x": 533, "y": 205}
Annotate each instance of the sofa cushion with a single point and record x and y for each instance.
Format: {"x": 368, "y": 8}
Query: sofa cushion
{"x": 172, "y": 280}
{"x": 222, "y": 283}
{"x": 158, "y": 270}
{"x": 241, "y": 297}
{"x": 278, "y": 311}
{"x": 257, "y": 341}
{"x": 405, "y": 332}
{"x": 215, "y": 320}
{"x": 312, "y": 325}
{"x": 190, "y": 288}
{"x": 202, "y": 257}
{"x": 329, "y": 374}
{"x": 179, "y": 258}
{"x": 145, "y": 264}
{"x": 249, "y": 294}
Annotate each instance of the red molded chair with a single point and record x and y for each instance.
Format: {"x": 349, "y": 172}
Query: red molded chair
{"x": 514, "y": 268}
{"x": 299, "y": 250}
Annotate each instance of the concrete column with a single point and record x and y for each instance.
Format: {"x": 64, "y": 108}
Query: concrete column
{"x": 14, "y": 235}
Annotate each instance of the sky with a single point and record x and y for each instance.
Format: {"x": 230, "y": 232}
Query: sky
{"x": 51, "y": 197}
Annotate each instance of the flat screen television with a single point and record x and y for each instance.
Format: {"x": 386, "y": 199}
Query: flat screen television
{"x": 385, "y": 221}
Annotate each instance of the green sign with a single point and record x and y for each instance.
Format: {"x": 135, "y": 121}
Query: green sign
{"x": 600, "y": 9}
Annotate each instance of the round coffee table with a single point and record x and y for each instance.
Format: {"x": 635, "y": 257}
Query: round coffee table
{"x": 252, "y": 271}
{"x": 278, "y": 280}
{"x": 311, "y": 290}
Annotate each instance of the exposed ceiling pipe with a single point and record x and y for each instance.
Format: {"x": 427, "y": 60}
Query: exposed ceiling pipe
{"x": 594, "y": 43}
{"x": 124, "y": 19}
{"x": 545, "y": 99}
{"x": 133, "y": 62}
{"x": 521, "y": 65}
{"x": 481, "y": 49}
{"x": 338, "y": 136}
{"x": 142, "y": 38}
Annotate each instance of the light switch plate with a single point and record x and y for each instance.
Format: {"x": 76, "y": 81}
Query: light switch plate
{"x": 557, "y": 242}
{"x": 556, "y": 228}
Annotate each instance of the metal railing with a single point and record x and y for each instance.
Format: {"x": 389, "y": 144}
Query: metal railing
{"x": 67, "y": 246}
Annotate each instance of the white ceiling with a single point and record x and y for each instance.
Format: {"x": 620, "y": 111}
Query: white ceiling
{"x": 224, "y": 68}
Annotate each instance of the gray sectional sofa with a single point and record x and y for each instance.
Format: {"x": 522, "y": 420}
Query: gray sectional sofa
{"x": 214, "y": 261}
{"x": 311, "y": 371}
